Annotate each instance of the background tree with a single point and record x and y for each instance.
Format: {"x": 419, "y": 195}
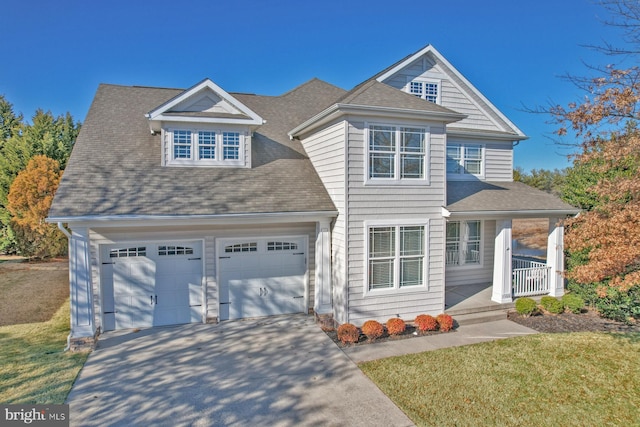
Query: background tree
{"x": 604, "y": 242}
{"x": 29, "y": 199}
{"x": 47, "y": 135}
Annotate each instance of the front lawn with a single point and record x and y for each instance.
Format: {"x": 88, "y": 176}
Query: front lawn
{"x": 33, "y": 366}
{"x": 546, "y": 379}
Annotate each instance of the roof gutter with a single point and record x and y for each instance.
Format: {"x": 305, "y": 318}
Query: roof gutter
{"x": 485, "y": 135}
{"x": 529, "y": 213}
{"x": 388, "y": 112}
{"x": 113, "y": 220}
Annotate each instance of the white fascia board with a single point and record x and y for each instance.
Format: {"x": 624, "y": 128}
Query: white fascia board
{"x": 168, "y": 220}
{"x": 530, "y": 213}
{"x": 372, "y": 111}
{"x": 434, "y": 52}
{"x": 215, "y": 120}
{"x": 205, "y": 84}
{"x": 485, "y": 135}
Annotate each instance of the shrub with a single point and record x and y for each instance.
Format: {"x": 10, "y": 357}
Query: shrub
{"x": 573, "y": 303}
{"x": 526, "y": 306}
{"x": 445, "y": 322}
{"x": 396, "y": 326}
{"x": 552, "y": 304}
{"x": 348, "y": 333}
{"x": 372, "y": 329}
{"x": 613, "y": 303}
{"x": 425, "y": 322}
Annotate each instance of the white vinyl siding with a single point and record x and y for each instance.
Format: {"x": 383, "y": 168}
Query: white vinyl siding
{"x": 394, "y": 205}
{"x": 326, "y": 150}
{"x": 453, "y": 94}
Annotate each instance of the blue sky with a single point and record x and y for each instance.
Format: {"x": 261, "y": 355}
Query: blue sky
{"x": 55, "y": 53}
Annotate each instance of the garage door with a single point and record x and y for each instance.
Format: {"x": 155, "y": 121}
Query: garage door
{"x": 151, "y": 284}
{"x": 262, "y": 277}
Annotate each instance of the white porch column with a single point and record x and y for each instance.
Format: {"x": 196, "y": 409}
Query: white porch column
{"x": 502, "y": 275}
{"x": 555, "y": 257}
{"x": 81, "y": 290}
{"x": 322, "y": 298}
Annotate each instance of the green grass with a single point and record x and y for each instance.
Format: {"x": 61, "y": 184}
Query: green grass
{"x": 544, "y": 380}
{"x": 34, "y": 368}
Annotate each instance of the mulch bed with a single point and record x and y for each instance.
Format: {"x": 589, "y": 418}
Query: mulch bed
{"x": 587, "y": 321}
{"x": 410, "y": 332}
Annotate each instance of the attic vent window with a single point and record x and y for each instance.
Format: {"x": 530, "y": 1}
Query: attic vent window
{"x": 428, "y": 90}
{"x": 205, "y": 147}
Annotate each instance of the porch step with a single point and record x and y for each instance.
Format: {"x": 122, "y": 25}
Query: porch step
{"x": 480, "y": 309}
{"x": 480, "y": 317}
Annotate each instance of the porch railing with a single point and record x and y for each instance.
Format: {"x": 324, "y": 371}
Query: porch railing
{"x": 529, "y": 277}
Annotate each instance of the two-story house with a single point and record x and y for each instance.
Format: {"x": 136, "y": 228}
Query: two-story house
{"x": 201, "y": 205}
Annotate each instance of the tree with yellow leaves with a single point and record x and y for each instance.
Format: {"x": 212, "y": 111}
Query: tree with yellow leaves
{"x": 30, "y": 198}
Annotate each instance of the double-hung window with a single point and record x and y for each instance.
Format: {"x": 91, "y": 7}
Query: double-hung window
{"x": 395, "y": 257}
{"x": 464, "y": 240}
{"x": 397, "y": 153}
{"x": 465, "y": 160}
{"x": 425, "y": 89}
{"x": 200, "y": 147}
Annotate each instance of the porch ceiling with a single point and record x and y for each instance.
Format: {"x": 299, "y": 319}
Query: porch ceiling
{"x": 484, "y": 198}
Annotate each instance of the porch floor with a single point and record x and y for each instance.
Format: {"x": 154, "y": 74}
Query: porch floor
{"x": 469, "y": 299}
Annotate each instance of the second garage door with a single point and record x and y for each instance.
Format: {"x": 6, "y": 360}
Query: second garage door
{"x": 262, "y": 277}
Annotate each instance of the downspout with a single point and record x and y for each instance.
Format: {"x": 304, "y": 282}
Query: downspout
{"x": 66, "y": 233}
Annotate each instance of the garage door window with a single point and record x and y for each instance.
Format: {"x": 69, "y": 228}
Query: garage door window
{"x": 282, "y": 246}
{"x": 242, "y": 247}
{"x": 174, "y": 250}
{"x": 128, "y": 252}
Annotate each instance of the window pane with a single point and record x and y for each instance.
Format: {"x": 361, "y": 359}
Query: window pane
{"x": 381, "y": 274}
{"x": 412, "y": 166}
{"x": 473, "y": 253}
{"x": 453, "y": 158}
{"x": 206, "y": 145}
{"x": 453, "y": 231}
{"x": 181, "y": 144}
{"x": 231, "y": 145}
{"x": 411, "y": 272}
{"x": 473, "y": 152}
{"x": 473, "y": 230}
{"x": 416, "y": 88}
{"x": 411, "y": 241}
{"x": 431, "y": 92}
{"x": 381, "y": 242}
{"x": 382, "y": 138}
{"x": 412, "y": 140}
{"x": 473, "y": 167}
{"x": 453, "y": 254}
{"x": 381, "y": 165}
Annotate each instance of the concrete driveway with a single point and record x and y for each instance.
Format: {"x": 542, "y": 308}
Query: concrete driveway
{"x": 280, "y": 371}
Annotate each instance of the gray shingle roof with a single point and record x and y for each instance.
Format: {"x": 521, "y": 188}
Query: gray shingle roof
{"x": 492, "y": 196}
{"x": 115, "y": 168}
{"x": 375, "y": 94}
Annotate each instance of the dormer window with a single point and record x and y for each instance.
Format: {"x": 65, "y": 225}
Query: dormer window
{"x": 425, "y": 89}
{"x": 205, "y": 147}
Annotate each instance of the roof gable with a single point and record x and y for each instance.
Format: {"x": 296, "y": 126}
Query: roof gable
{"x": 464, "y": 97}
{"x": 205, "y": 102}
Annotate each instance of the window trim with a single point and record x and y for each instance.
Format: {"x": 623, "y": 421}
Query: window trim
{"x": 424, "y": 80}
{"x": 396, "y": 289}
{"x": 462, "y": 242}
{"x": 397, "y": 179}
{"x": 466, "y": 176}
{"x": 219, "y": 147}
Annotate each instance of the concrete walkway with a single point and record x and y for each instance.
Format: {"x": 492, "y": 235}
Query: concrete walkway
{"x": 464, "y": 335}
{"x": 281, "y": 371}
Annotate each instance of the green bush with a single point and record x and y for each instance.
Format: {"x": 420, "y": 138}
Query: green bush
{"x": 526, "y": 306}
{"x": 552, "y": 304}
{"x": 616, "y": 304}
{"x": 573, "y": 303}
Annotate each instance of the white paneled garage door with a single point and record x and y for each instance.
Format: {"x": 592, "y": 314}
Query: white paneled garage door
{"x": 151, "y": 284}
{"x": 262, "y": 277}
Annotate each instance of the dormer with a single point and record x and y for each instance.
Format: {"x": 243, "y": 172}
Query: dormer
{"x": 205, "y": 126}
